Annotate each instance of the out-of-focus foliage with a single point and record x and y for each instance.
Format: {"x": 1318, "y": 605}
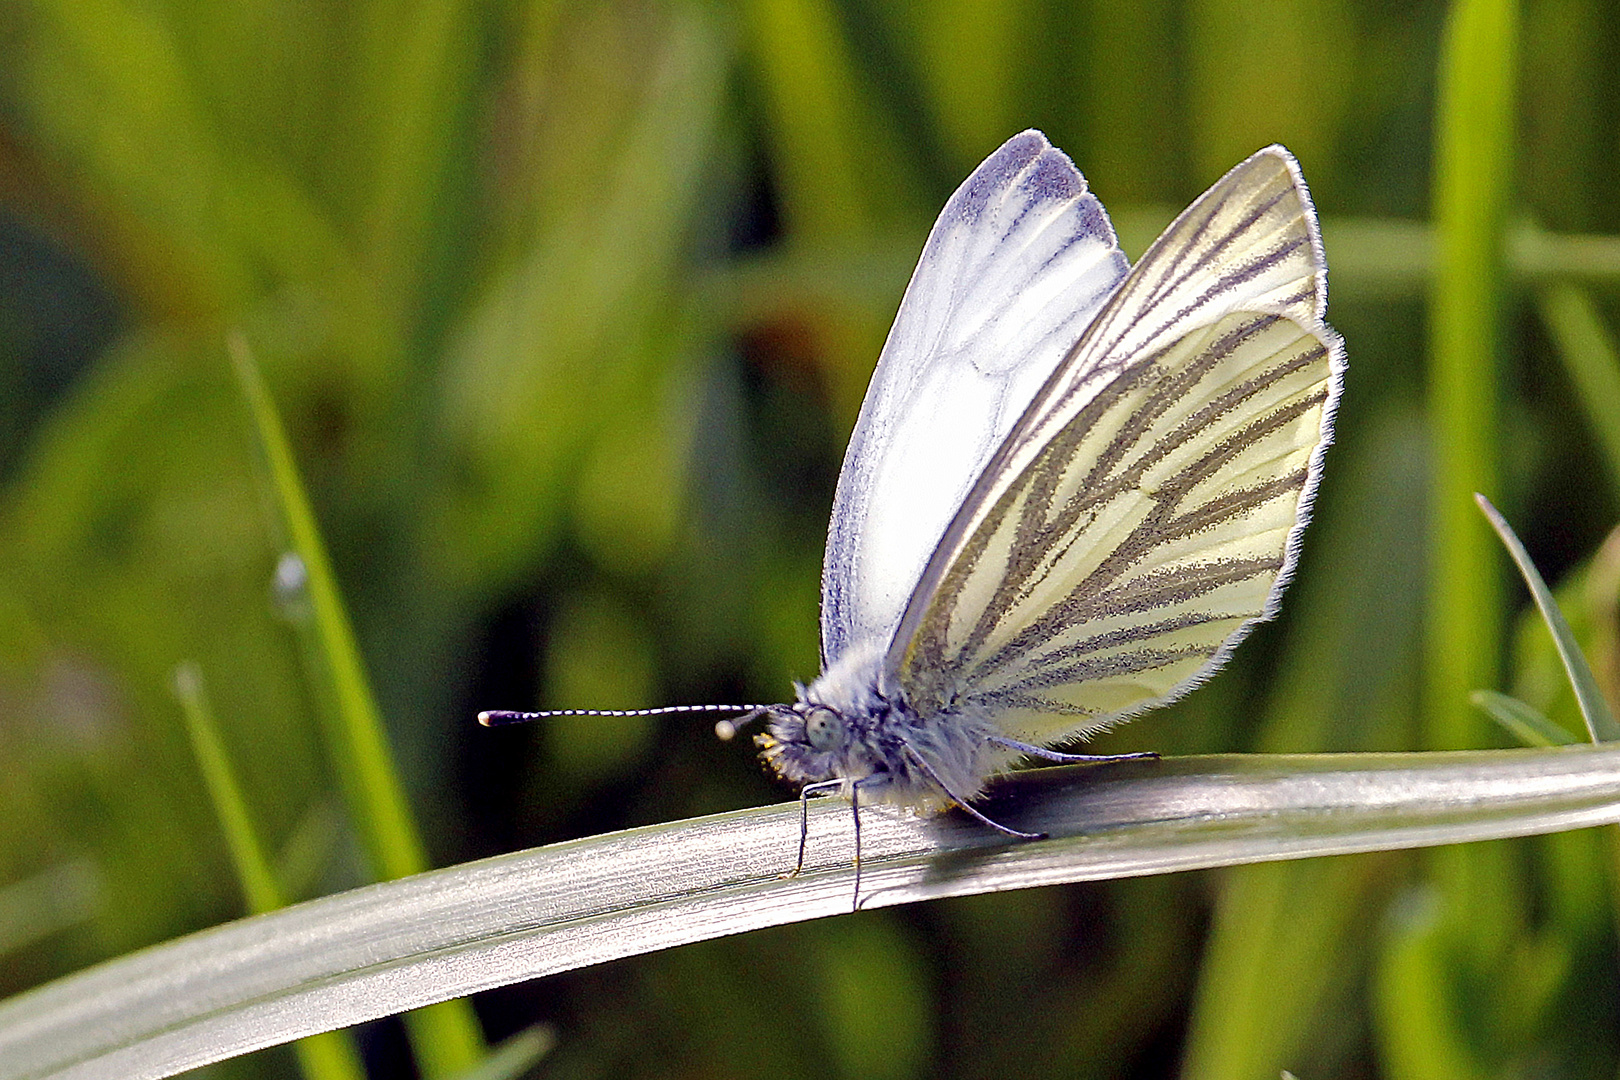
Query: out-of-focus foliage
{"x": 568, "y": 309}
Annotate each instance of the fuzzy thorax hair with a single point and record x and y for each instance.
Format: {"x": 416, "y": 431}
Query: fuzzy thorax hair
{"x": 848, "y": 726}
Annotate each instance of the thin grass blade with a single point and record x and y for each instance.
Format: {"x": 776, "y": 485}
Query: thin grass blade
{"x": 329, "y": 1055}
{"x": 1600, "y": 721}
{"x": 1524, "y": 723}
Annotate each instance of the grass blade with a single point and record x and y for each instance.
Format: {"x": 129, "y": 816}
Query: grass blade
{"x": 329, "y": 1055}
{"x": 1479, "y": 900}
{"x": 1600, "y": 721}
{"x": 514, "y": 1056}
{"x": 1521, "y": 721}
{"x": 398, "y": 945}
{"x": 259, "y": 886}
{"x": 1473, "y": 167}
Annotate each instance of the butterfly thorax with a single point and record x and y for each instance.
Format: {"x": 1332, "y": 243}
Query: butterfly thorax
{"x": 848, "y": 725}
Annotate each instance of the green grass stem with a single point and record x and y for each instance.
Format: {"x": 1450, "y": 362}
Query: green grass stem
{"x": 1473, "y": 164}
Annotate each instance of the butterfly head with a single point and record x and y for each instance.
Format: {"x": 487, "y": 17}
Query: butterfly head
{"x": 805, "y": 742}
{"x": 831, "y": 730}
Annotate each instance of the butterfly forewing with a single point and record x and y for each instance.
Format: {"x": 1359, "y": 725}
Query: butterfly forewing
{"x": 1020, "y": 261}
{"x": 1145, "y": 509}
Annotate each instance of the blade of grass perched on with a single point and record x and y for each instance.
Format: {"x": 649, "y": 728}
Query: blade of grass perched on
{"x": 448, "y": 1037}
{"x": 398, "y": 945}
{"x": 330, "y": 1055}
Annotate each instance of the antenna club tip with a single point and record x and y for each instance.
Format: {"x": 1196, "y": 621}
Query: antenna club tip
{"x": 487, "y": 719}
{"x": 725, "y": 729}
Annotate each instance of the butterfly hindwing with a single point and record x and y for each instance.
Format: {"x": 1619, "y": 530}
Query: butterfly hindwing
{"x": 1145, "y": 509}
{"x": 1019, "y": 262}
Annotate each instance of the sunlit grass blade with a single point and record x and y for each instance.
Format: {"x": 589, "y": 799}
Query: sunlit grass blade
{"x": 1524, "y": 723}
{"x": 258, "y": 882}
{"x": 329, "y": 1055}
{"x": 1600, "y": 722}
{"x": 401, "y": 944}
{"x": 447, "y": 1038}
{"x": 513, "y": 1056}
{"x": 1590, "y": 357}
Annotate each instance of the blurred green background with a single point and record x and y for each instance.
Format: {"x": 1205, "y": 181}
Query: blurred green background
{"x": 568, "y": 309}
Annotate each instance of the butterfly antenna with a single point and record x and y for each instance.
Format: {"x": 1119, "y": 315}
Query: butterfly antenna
{"x": 723, "y": 728}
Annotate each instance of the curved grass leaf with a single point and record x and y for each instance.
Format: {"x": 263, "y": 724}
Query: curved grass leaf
{"x": 402, "y": 944}
{"x": 1600, "y": 722}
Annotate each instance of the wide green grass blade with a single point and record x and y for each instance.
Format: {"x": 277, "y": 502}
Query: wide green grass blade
{"x": 329, "y": 1055}
{"x": 398, "y": 945}
{"x": 1600, "y": 722}
{"x": 1480, "y": 902}
{"x": 447, "y": 1038}
{"x": 1473, "y": 165}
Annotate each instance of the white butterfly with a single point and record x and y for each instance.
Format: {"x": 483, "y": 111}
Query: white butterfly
{"x": 1074, "y": 486}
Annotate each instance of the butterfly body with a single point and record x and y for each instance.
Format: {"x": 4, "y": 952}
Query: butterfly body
{"x": 847, "y": 726}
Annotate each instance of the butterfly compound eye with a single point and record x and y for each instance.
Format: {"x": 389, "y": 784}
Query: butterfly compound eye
{"x": 823, "y": 728}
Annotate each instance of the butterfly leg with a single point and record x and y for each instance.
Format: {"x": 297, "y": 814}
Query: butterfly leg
{"x": 855, "y": 808}
{"x": 917, "y": 759}
{"x": 1067, "y": 759}
{"x": 804, "y": 819}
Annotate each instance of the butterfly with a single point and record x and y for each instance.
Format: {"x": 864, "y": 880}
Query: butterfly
{"x": 1074, "y": 485}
